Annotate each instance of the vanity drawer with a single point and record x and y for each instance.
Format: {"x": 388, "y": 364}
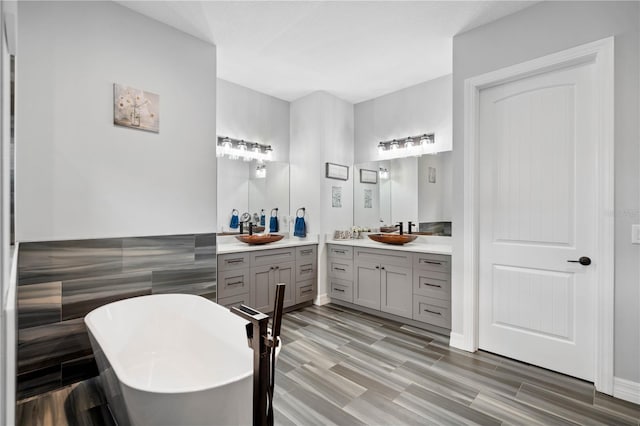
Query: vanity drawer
{"x": 432, "y": 311}
{"x": 305, "y": 291}
{"x": 306, "y": 253}
{"x": 433, "y": 262}
{"x": 233, "y": 282}
{"x": 432, "y": 284}
{"x": 272, "y": 257}
{"x": 241, "y": 299}
{"x": 341, "y": 289}
{"x": 387, "y": 257}
{"x": 340, "y": 252}
{"x": 342, "y": 269}
{"x": 233, "y": 261}
{"x": 306, "y": 270}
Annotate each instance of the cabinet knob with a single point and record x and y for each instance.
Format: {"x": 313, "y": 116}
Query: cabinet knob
{"x": 382, "y": 267}
{"x": 377, "y": 267}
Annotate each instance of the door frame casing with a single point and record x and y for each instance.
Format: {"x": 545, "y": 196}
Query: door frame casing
{"x": 601, "y": 54}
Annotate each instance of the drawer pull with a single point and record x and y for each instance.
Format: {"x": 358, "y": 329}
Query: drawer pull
{"x": 433, "y": 285}
{"x": 338, "y": 289}
{"x": 340, "y": 269}
{"x": 309, "y": 290}
{"x": 309, "y": 251}
{"x": 430, "y": 262}
{"x": 339, "y": 251}
{"x": 433, "y": 312}
{"x": 233, "y": 261}
{"x": 304, "y": 271}
{"x": 235, "y": 283}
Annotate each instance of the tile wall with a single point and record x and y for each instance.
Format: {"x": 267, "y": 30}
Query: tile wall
{"x": 59, "y": 282}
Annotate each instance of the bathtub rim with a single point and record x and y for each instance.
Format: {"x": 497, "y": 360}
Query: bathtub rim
{"x": 118, "y": 368}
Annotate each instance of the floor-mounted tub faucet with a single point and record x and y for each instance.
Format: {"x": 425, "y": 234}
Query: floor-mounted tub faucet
{"x": 264, "y": 355}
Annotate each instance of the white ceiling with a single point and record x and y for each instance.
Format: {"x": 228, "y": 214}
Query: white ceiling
{"x": 356, "y": 50}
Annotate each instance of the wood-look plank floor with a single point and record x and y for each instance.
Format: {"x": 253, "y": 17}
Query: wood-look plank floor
{"x": 344, "y": 367}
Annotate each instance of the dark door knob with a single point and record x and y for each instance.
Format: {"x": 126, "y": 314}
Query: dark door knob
{"x": 584, "y": 261}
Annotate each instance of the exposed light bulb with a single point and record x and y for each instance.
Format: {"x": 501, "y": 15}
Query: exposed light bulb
{"x": 394, "y": 145}
{"x": 424, "y": 140}
{"x": 261, "y": 172}
{"x": 384, "y": 173}
{"x": 242, "y": 146}
{"x": 256, "y": 148}
{"x": 408, "y": 143}
{"x": 269, "y": 152}
{"x": 226, "y": 143}
{"x": 381, "y": 148}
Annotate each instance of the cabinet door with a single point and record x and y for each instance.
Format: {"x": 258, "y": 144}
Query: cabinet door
{"x": 283, "y": 273}
{"x": 261, "y": 283}
{"x": 396, "y": 286}
{"x": 367, "y": 285}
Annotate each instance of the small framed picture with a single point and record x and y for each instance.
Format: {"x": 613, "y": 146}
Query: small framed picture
{"x": 337, "y": 171}
{"x": 368, "y": 176}
{"x": 432, "y": 175}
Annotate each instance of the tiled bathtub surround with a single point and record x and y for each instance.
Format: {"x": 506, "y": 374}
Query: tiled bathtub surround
{"x": 59, "y": 282}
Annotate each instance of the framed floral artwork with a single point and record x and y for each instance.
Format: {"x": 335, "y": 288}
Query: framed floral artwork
{"x": 136, "y": 108}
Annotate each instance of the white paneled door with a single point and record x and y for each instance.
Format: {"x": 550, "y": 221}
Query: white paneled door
{"x": 537, "y": 170}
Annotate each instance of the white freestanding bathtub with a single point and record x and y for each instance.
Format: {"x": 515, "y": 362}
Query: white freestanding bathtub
{"x": 173, "y": 359}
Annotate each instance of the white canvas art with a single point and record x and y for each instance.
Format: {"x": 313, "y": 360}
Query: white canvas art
{"x": 368, "y": 199}
{"x": 136, "y": 108}
{"x": 336, "y": 196}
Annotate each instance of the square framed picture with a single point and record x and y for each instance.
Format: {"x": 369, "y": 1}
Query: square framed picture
{"x": 135, "y": 108}
{"x": 368, "y": 176}
{"x": 337, "y": 171}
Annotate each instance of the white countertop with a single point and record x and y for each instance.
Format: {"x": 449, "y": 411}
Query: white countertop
{"x": 417, "y": 246}
{"x": 229, "y": 244}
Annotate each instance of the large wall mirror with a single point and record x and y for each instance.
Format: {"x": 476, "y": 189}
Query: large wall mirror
{"x": 416, "y": 189}
{"x": 249, "y": 187}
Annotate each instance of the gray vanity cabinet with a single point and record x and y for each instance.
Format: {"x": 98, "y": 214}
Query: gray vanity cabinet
{"x": 432, "y": 289}
{"x": 250, "y": 278}
{"x": 263, "y": 285}
{"x": 340, "y": 266}
{"x": 233, "y": 279}
{"x": 306, "y": 273}
{"x": 396, "y": 290}
{"x": 383, "y": 281}
{"x": 416, "y": 286}
{"x": 366, "y": 290}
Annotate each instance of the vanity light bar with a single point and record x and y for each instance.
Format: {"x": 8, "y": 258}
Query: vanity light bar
{"x": 407, "y": 147}
{"x": 241, "y": 149}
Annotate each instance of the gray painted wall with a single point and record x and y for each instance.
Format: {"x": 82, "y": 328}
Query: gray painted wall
{"x": 321, "y": 131}
{"x": 78, "y": 175}
{"x": 542, "y": 29}
{"x": 425, "y": 107}
{"x": 243, "y": 113}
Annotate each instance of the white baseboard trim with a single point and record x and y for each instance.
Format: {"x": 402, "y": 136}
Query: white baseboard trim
{"x": 626, "y": 389}
{"x": 321, "y": 299}
{"x": 457, "y": 341}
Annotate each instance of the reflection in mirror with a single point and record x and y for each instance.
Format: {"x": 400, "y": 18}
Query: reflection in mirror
{"x": 250, "y": 188}
{"x": 416, "y": 189}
